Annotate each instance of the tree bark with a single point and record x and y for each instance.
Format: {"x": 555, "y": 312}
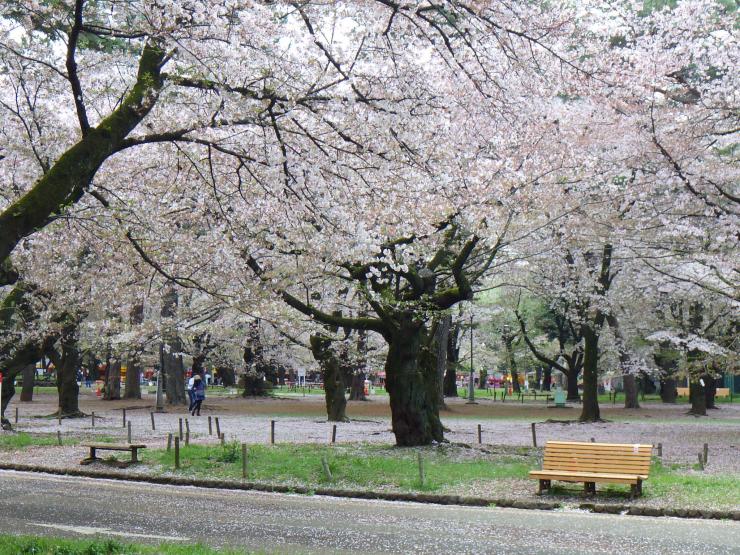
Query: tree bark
{"x": 631, "y": 400}
{"x": 67, "y": 180}
{"x": 29, "y": 379}
{"x": 173, "y": 368}
{"x": 67, "y": 362}
{"x": 227, "y": 375}
{"x": 572, "y": 381}
{"x": 357, "y": 387}
{"x": 113, "y": 380}
{"x": 710, "y": 391}
{"x": 590, "y": 409}
{"x": 668, "y": 391}
{"x": 698, "y": 398}
{"x": 334, "y": 384}
{"x": 133, "y": 363}
{"x": 412, "y": 386}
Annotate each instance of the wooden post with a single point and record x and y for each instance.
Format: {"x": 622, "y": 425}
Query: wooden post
{"x": 210, "y": 427}
{"x": 480, "y": 434}
{"x": 325, "y": 466}
{"x": 151, "y": 415}
{"x": 660, "y": 450}
{"x": 16, "y": 415}
{"x": 180, "y": 435}
{"x": 124, "y": 418}
{"x": 334, "y": 433}
{"x": 223, "y": 439}
{"x": 187, "y": 437}
{"x": 129, "y": 430}
{"x": 59, "y": 437}
{"x": 534, "y": 435}
{"x": 218, "y": 428}
{"x": 706, "y": 452}
{"x": 187, "y": 427}
{"x": 422, "y": 474}
{"x": 244, "y": 461}
{"x": 701, "y": 462}
{"x": 272, "y": 431}
{"x": 169, "y": 441}
{"x": 177, "y": 452}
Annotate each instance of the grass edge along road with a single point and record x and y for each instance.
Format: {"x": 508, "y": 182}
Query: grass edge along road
{"x": 388, "y": 468}
{"x": 37, "y": 545}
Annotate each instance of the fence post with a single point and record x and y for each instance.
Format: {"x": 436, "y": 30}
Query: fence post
{"x": 244, "y": 461}
{"x": 218, "y": 428}
{"x": 177, "y": 452}
{"x": 706, "y": 452}
{"x": 92, "y": 416}
{"x": 210, "y": 427}
{"x": 124, "y": 418}
{"x": 272, "y": 431}
{"x": 334, "y": 433}
{"x": 480, "y": 434}
{"x": 169, "y": 441}
{"x": 223, "y": 439}
{"x": 129, "y": 430}
{"x": 180, "y": 435}
{"x": 59, "y": 437}
{"x": 534, "y": 435}
{"x": 151, "y": 415}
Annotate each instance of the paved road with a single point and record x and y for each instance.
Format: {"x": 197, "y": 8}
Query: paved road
{"x": 66, "y": 506}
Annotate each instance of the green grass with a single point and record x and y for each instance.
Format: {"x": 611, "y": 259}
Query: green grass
{"x": 356, "y": 466}
{"x": 448, "y": 469}
{"x": 21, "y": 440}
{"x": 35, "y": 545}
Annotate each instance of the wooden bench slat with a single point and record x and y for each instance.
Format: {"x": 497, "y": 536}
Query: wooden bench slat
{"x": 603, "y": 469}
{"x": 609, "y": 455}
{"x": 605, "y": 446}
{"x": 115, "y": 446}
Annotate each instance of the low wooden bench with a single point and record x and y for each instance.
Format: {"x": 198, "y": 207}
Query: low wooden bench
{"x": 617, "y": 463}
{"x": 130, "y": 447}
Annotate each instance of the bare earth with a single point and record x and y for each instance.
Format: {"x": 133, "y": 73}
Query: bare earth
{"x": 303, "y": 420}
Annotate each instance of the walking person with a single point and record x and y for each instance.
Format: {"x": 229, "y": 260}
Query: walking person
{"x": 199, "y": 395}
{"x": 191, "y": 392}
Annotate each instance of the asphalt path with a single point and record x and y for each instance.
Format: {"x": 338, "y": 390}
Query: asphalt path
{"x": 47, "y": 505}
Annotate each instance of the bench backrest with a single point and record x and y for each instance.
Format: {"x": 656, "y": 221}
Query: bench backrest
{"x": 722, "y": 392}
{"x": 607, "y": 458}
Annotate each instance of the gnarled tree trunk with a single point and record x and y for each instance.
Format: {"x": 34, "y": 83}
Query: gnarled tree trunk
{"x": 173, "y": 368}
{"x": 29, "y": 379}
{"x": 334, "y": 385}
{"x": 412, "y": 386}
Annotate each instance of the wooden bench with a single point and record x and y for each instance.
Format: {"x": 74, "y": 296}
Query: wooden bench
{"x": 682, "y": 391}
{"x": 617, "y": 463}
{"x": 130, "y": 447}
{"x": 722, "y": 392}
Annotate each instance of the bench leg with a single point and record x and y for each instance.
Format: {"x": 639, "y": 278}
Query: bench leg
{"x": 635, "y": 490}
{"x": 589, "y": 488}
{"x": 543, "y": 485}
{"x": 134, "y": 457}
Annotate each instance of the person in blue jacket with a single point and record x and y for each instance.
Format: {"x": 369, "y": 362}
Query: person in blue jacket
{"x": 199, "y": 395}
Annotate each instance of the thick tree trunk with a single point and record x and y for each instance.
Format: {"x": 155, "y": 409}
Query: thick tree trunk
{"x": 113, "y": 380}
{"x": 357, "y": 387}
{"x": 67, "y": 364}
{"x": 698, "y": 398}
{"x": 590, "y": 409}
{"x": 133, "y": 378}
{"x": 227, "y": 376}
{"x": 412, "y": 387}
{"x": 668, "y": 391}
{"x": 572, "y": 380}
{"x": 710, "y": 391}
{"x": 333, "y": 377}
{"x": 29, "y": 379}
{"x": 173, "y": 368}
{"x": 630, "y": 391}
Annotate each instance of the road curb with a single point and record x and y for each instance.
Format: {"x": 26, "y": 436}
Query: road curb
{"x": 434, "y": 499}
